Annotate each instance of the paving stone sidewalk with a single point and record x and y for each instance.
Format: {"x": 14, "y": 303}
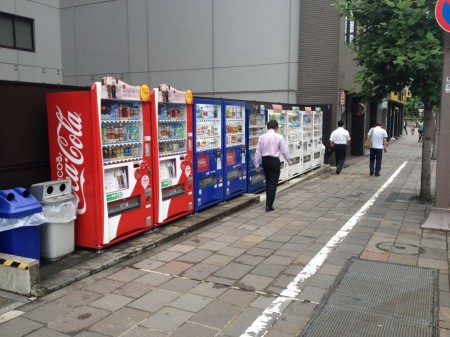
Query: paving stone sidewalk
{"x": 217, "y": 280}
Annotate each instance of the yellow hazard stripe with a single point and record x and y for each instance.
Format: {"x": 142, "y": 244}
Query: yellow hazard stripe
{"x": 14, "y": 264}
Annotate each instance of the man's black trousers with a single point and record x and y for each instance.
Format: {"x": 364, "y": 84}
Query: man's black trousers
{"x": 271, "y": 166}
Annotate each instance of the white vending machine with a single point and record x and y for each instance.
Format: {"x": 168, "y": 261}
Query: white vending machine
{"x": 318, "y": 151}
{"x": 307, "y": 122}
{"x": 277, "y": 113}
{"x": 295, "y": 135}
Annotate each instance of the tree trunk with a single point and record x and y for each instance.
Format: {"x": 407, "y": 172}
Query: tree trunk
{"x": 436, "y": 135}
{"x": 425, "y": 179}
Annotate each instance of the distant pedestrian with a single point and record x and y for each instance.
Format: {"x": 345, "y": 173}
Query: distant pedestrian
{"x": 379, "y": 143}
{"x": 270, "y": 146}
{"x": 413, "y": 127}
{"x": 339, "y": 139}
{"x": 404, "y": 127}
{"x": 420, "y": 129}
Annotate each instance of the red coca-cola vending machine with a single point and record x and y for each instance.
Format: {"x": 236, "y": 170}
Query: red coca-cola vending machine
{"x": 173, "y": 153}
{"x": 101, "y": 140}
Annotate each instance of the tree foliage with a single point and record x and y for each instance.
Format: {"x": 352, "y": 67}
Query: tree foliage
{"x": 398, "y": 45}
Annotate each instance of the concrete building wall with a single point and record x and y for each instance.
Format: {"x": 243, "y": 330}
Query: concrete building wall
{"x": 318, "y": 77}
{"x": 44, "y": 65}
{"x": 231, "y": 49}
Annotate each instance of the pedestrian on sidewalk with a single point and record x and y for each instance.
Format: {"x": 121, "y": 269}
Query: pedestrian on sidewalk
{"x": 379, "y": 143}
{"x": 339, "y": 139}
{"x": 420, "y": 129}
{"x": 404, "y": 127}
{"x": 413, "y": 127}
{"x": 270, "y": 146}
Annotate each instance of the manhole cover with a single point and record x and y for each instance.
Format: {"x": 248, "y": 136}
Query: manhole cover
{"x": 399, "y": 197}
{"x": 399, "y": 248}
{"x": 378, "y": 299}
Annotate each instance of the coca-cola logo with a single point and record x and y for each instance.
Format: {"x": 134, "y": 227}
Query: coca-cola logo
{"x": 70, "y": 159}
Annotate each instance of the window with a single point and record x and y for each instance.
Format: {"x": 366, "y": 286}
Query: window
{"x": 350, "y": 30}
{"x": 17, "y": 32}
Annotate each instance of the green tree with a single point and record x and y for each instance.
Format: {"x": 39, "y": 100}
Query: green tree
{"x": 399, "y": 44}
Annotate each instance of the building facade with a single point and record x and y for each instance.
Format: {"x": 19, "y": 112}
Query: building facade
{"x": 39, "y": 61}
{"x": 287, "y": 51}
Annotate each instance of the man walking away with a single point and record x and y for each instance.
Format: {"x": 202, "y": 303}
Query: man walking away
{"x": 339, "y": 139}
{"x": 404, "y": 127}
{"x": 379, "y": 143}
{"x": 270, "y": 146}
{"x": 420, "y": 129}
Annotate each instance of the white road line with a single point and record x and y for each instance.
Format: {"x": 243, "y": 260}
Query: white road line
{"x": 261, "y": 325}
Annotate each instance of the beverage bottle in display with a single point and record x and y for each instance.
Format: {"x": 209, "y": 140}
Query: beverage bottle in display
{"x": 113, "y": 90}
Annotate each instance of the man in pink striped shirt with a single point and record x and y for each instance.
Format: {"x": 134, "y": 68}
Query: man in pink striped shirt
{"x": 270, "y": 146}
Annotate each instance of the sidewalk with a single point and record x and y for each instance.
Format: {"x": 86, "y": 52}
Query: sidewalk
{"x": 223, "y": 278}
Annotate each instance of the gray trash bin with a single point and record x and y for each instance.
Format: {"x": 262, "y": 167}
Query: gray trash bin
{"x": 59, "y": 206}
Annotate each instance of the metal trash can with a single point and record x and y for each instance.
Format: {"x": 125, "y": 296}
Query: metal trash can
{"x": 20, "y": 217}
{"x": 59, "y": 207}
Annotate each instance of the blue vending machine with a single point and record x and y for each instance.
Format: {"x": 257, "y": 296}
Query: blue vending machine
{"x": 234, "y": 128}
{"x": 208, "y": 154}
{"x": 256, "y": 126}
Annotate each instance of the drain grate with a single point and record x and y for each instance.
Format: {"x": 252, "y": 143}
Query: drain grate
{"x": 378, "y": 299}
{"x": 399, "y": 197}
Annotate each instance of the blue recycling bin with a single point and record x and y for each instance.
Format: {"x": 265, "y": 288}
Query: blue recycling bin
{"x": 20, "y": 217}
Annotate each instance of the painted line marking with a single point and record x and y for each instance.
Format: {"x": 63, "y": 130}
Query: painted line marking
{"x": 275, "y": 309}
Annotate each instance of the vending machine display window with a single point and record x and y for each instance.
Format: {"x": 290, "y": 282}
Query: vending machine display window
{"x": 168, "y": 169}
{"x": 116, "y": 179}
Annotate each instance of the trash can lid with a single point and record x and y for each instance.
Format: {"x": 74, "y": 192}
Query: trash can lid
{"x": 60, "y": 199}
{"x": 17, "y": 203}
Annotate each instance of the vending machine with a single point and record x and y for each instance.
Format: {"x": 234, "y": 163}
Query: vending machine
{"x": 208, "y": 154}
{"x": 307, "y": 121}
{"x": 295, "y": 136}
{"x": 234, "y": 128}
{"x": 100, "y": 140}
{"x": 256, "y": 123}
{"x": 277, "y": 113}
{"x": 318, "y": 151}
{"x": 172, "y": 144}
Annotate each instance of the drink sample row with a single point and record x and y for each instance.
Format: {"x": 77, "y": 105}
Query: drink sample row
{"x": 167, "y": 148}
{"x": 205, "y": 111}
{"x": 111, "y": 110}
{"x": 121, "y": 152}
{"x": 234, "y": 128}
{"x": 234, "y": 111}
{"x": 120, "y": 133}
{"x": 207, "y": 130}
{"x": 167, "y": 131}
{"x": 168, "y": 113}
{"x": 208, "y": 143}
{"x": 234, "y": 139}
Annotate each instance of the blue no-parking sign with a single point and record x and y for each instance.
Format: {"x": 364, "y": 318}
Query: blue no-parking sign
{"x": 442, "y": 12}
